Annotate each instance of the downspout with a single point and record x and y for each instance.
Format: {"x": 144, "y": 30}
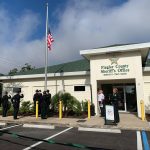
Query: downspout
{"x": 91, "y": 94}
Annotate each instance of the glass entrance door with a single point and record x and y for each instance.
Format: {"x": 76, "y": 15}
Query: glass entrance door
{"x": 131, "y": 98}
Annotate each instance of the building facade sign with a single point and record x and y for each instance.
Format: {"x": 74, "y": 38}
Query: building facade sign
{"x": 115, "y": 69}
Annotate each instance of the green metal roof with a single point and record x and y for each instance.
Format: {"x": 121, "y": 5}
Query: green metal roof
{"x": 79, "y": 65}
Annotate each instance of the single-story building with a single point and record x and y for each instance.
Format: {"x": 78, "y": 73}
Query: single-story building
{"x": 120, "y": 66}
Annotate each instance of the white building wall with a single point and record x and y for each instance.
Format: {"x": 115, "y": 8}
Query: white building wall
{"x": 54, "y": 84}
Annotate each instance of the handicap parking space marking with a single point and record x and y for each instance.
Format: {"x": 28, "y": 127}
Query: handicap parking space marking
{"x": 145, "y": 141}
{"x": 139, "y": 141}
{"x": 48, "y": 138}
{"x": 142, "y": 141}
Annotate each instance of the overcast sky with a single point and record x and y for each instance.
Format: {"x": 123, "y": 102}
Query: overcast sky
{"x": 75, "y": 25}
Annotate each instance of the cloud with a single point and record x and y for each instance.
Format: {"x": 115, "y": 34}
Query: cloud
{"x": 17, "y": 46}
{"x": 88, "y": 24}
{"x": 81, "y": 25}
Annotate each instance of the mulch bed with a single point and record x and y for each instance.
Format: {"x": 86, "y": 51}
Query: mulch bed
{"x": 148, "y": 117}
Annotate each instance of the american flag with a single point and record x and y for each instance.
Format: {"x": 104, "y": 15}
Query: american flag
{"x": 49, "y": 40}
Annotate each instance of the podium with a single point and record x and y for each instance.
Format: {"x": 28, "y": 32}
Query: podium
{"x": 109, "y": 115}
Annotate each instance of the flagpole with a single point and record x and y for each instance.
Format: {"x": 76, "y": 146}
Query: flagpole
{"x": 46, "y": 49}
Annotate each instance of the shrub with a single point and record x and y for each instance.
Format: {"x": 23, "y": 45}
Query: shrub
{"x": 55, "y": 102}
{"x": 77, "y": 108}
{"x": 70, "y": 104}
{"x": 1, "y": 110}
{"x": 84, "y": 106}
{"x": 73, "y": 104}
{"x": 26, "y": 107}
{"x": 10, "y": 111}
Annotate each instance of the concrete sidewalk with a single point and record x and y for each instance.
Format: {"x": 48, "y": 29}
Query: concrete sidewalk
{"x": 127, "y": 121}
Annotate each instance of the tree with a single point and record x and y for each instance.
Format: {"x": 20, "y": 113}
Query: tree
{"x": 27, "y": 67}
{"x": 13, "y": 72}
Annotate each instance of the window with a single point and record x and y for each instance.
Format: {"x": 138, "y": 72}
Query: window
{"x": 16, "y": 90}
{"x": 79, "y": 88}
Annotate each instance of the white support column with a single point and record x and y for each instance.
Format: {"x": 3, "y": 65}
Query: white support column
{"x": 94, "y": 94}
{"x": 140, "y": 94}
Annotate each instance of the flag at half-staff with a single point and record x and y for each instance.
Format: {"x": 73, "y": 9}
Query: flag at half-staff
{"x": 49, "y": 40}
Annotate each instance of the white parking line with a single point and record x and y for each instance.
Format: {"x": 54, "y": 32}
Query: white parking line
{"x": 2, "y": 123}
{"x": 99, "y": 130}
{"x": 10, "y": 127}
{"x": 38, "y": 143}
{"x": 139, "y": 141}
{"x": 39, "y": 126}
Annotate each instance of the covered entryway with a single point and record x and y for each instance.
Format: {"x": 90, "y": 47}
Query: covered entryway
{"x": 127, "y": 92}
{"x": 126, "y": 89}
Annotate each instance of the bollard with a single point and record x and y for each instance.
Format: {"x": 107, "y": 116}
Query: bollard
{"x": 37, "y": 109}
{"x": 142, "y": 110}
{"x": 89, "y": 110}
{"x": 60, "y": 109}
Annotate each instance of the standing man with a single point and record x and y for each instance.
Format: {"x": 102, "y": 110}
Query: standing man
{"x": 40, "y": 99}
{"x": 0, "y": 101}
{"x": 16, "y": 103}
{"x": 115, "y": 98}
{"x": 36, "y": 98}
{"x": 48, "y": 101}
{"x": 5, "y": 103}
{"x": 44, "y": 106}
{"x": 101, "y": 97}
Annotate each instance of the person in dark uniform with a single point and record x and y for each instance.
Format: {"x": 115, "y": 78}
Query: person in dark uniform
{"x": 0, "y": 101}
{"x": 36, "y": 98}
{"x": 44, "y": 106}
{"x": 40, "y": 99}
{"x": 16, "y": 103}
{"x": 115, "y": 98}
{"x": 5, "y": 103}
{"x": 48, "y": 101}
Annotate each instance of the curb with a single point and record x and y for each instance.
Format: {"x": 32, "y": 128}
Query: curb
{"x": 38, "y": 126}
{"x": 100, "y": 130}
{"x": 75, "y": 125}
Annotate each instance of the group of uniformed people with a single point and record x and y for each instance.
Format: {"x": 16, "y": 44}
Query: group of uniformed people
{"x": 44, "y": 101}
{"x": 15, "y": 100}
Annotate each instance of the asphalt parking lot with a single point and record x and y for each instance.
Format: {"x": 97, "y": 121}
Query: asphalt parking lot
{"x": 69, "y": 138}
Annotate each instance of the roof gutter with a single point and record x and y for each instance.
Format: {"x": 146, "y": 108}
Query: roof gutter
{"x": 78, "y": 73}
